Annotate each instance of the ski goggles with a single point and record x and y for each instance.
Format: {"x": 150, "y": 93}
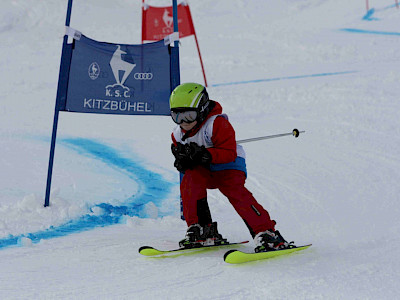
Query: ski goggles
{"x": 187, "y": 116}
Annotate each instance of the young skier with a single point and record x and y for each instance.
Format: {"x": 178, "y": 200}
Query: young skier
{"x": 205, "y": 150}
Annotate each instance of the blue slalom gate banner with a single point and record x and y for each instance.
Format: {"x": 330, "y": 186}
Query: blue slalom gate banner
{"x": 105, "y": 78}
{"x": 118, "y": 78}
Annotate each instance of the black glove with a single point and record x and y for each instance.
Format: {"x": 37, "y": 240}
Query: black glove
{"x": 198, "y": 154}
{"x": 190, "y": 155}
{"x": 182, "y": 160}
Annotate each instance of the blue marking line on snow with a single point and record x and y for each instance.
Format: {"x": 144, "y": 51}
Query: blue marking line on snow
{"x": 284, "y": 78}
{"x": 369, "y": 14}
{"x": 353, "y": 30}
{"x": 152, "y": 187}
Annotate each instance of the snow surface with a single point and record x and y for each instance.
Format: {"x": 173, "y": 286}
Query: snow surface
{"x": 323, "y": 66}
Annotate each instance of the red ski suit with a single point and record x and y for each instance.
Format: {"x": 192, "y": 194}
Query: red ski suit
{"x": 230, "y": 182}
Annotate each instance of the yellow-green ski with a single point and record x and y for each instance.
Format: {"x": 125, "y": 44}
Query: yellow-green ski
{"x": 238, "y": 257}
{"x": 151, "y": 251}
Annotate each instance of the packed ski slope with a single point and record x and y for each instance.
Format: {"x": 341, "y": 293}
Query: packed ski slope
{"x": 322, "y": 66}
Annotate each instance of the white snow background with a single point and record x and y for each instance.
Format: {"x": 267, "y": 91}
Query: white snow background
{"x": 321, "y": 66}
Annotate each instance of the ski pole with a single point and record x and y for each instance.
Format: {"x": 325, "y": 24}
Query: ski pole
{"x": 295, "y": 132}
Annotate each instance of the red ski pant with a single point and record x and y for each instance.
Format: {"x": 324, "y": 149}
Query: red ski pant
{"x": 194, "y": 187}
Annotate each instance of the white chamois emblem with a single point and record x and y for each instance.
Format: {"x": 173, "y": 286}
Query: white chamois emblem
{"x": 117, "y": 64}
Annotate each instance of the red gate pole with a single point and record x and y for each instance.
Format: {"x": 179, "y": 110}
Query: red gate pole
{"x": 197, "y": 44}
{"x": 143, "y": 19}
{"x": 201, "y": 61}
{"x": 367, "y": 5}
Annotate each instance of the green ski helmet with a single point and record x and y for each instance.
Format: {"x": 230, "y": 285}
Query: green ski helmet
{"x": 190, "y": 97}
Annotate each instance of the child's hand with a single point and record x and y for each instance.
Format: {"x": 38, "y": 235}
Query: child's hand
{"x": 182, "y": 160}
{"x": 198, "y": 154}
{"x": 189, "y": 156}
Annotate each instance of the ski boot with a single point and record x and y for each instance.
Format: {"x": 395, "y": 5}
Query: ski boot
{"x": 270, "y": 240}
{"x": 199, "y": 236}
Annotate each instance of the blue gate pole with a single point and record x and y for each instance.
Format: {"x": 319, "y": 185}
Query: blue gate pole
{"x": 58, "y": 106}
{"x": 176, "y": 80}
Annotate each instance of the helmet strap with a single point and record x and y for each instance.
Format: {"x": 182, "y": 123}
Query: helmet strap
{"x": 186, "y": 135}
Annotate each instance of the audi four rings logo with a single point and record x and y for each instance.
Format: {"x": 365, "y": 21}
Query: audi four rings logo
{"x": 143, "y": 76}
